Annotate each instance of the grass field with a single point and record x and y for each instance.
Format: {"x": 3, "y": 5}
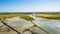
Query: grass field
{"x": 25, "y": 16}
{"x": 49, "y": 16}
{"x": 11, "y": 15}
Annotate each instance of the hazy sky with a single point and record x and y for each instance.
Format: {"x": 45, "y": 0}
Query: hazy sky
{"x": 29, "y": 5}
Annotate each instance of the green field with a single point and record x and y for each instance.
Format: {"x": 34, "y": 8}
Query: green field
{"x": 49, "y": 16}
{"x": 25, "y": 16}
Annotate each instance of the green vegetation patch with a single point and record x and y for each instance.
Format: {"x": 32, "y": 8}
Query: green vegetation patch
{"x": 4, "y": 16}
{"x": 24, "y": 16}
{"x": 27, "y": 18}
{"x": 49, "y": 16}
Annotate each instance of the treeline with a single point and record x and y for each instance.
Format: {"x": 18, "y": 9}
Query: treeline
{"x": 30, "y": 13}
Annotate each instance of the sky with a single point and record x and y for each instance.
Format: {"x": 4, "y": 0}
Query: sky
{"x": 29, "y": 5}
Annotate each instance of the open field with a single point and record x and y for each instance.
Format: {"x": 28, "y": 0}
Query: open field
{"x": 11, "y": 15}
{"x": 49, "y": 16}
{"x": 24, "y": 16}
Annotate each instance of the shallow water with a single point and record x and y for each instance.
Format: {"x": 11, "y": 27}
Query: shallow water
{"x": 51, "y": 26}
